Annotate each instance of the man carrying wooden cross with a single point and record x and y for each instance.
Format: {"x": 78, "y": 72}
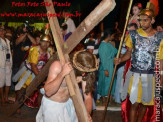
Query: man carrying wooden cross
{"x": 56, "y": 105}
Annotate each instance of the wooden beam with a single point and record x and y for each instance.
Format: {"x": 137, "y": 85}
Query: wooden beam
{"x": 57, "y": 35}
{"x": 98, "y": 14}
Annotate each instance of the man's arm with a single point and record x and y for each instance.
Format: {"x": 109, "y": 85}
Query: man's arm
{"x": 56, "y": 75}
{"x": 31, "y": 39}
{"x": 34, "y": 68}
{"x": 87, "y": 98}
{"x": 124, "y": 58}
{"x": 127, "y": 55}
{"x": 20, "y": 38}
{"x": 87, "y": 101}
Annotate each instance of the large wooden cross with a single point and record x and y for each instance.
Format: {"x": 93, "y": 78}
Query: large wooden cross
{"x": 63, "y": 49}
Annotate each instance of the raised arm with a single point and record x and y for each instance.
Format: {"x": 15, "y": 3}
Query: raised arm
{"x": 31, "y": 39}
{"x": 20, "y": 38}
{"x": 56, "y": 75}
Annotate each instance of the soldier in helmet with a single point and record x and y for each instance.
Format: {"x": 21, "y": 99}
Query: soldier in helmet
{"x": 5, "y": 67}
{"x": 143, "y": 45}
{"x": 37, "y": 58}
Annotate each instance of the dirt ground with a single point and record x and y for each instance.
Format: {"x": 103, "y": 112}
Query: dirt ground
{"x": 28, "y": 115}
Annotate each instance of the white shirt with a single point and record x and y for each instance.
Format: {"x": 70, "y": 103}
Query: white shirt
{"x": 4, "y": 49}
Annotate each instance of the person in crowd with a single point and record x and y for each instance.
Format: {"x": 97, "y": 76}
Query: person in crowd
{"x": 159, "y": 27}
{"x": 135, "y": 17}
{"x": 10, "y": 36}
{"x": 65, "y": 33}
{"x": 69, "y": 21}
{"x": 132, "y": 26}
{"x": 91, "y": 45}
{"x": 22, "y": 44}
{"x": 5, "y": 67}
{"x": 107, "y": 52}
{"x": 120, "y": 70}
{"x": 117, "y": 38}
{"x": 37, "y": 38}
{"x": 116, "y": 28}
{"x": 37, "y": 58}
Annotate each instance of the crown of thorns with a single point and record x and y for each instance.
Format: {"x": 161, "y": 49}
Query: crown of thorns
{"x": 82, "y": 68}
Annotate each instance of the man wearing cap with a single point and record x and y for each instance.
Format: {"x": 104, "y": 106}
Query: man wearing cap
{"x": 5, "y": 67}
{"x": 37, "y": 58}
{"x": 143, "y": 47}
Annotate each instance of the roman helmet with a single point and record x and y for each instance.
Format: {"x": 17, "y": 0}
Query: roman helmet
{"x": 151, "y": 9}
{"x": 45, "y": 37}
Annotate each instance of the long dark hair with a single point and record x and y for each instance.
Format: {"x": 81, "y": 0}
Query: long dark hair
{"x": 86, "y": 59}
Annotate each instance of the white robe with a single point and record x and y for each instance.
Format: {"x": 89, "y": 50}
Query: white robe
{"x": 51, "y": 111}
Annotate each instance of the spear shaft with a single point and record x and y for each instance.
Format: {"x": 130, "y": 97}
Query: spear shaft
{"x": 119, "y": 50}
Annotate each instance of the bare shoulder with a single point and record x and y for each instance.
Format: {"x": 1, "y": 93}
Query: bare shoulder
{"x": 54, "y": 70}
{"x": 56, "y": 67}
